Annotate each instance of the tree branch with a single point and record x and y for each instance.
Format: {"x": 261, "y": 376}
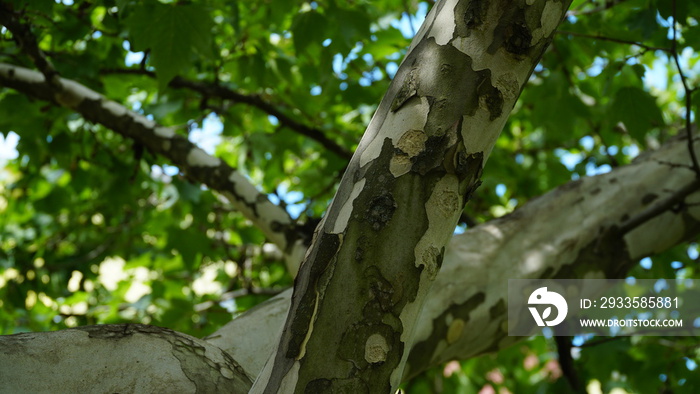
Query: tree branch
{"x": 216, "y": 90}
{"x": 120, "y": 358}
{"x": 199, "y": 166}
{"x": 611, "y": 39}
{"x": 686, "y": 88}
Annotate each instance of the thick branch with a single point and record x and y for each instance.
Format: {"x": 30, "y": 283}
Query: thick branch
{"x": 116, "y": 359}
{"x": 215, "y": 90}
{"x": 199, "y": 166}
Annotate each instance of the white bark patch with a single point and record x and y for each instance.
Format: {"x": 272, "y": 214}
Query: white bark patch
{"x": 147, "y": 123}
{"x": 74, "y": 93}
{"x": 475, "y": 140}
{"x": 252, "y": 353}
{"x": 411, "y": 116}
{"x": 21, "y": 73}
{"x": 444, "y": 26}
{"x": 199, "y": 158}
{"x": 509, "y": 86}
{"x": 673, "y": 228}
{"x": 164, "y": 132}
{"x": 244, "y": 189}
{"x": 454, "y": 331}
{"x": 345, "y": 212}
{"x": 247, "y": 194}
{"x": 447, "y": 202}
{"x": 400, "y": 165}
{"x": 533, "y": 261}
{"x": 114, "y": 107}
{"x": 376, "y": 349}
{"x": 412, "y": 142}
{"x": 551, "y": 16}
{"x": 289, "y": 382}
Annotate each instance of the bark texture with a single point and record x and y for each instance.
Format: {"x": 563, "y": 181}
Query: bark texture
{"x": 574, "y": 231}
{"x": 381, "y": 243}
{"x": 129, "y": 358}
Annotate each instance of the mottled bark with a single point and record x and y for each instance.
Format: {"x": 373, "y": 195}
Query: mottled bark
{"x": 381, "y": 243}
{"x": 570, "y": 232}
{"x": 130, "y": 358}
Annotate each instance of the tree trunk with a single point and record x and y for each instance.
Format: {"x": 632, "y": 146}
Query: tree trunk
{"x": 374, "y": 256}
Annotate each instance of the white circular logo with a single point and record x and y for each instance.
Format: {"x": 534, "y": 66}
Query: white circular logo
{"x": 543, "y": 297}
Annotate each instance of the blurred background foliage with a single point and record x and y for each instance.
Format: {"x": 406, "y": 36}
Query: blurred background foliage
{"x": 93, "y": 229}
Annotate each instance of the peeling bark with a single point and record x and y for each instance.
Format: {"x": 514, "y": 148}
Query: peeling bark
{"x": 116, "y": 358}
{"x": 381, "y": 243}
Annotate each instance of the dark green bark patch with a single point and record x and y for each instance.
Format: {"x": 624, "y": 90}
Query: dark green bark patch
{"x": 349, "y": 385}
{"x": 380, "y": 211}
{"x": 328, "y": 245}
{"x": 422, "y": 351}
{"x": 469, "y": 15}
{"x": 649, "y": 198}
{"x": 512, "y": 32}
{"x": 432, "y": 156}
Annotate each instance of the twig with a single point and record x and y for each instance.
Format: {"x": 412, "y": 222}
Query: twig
{"x": 611, "y": 39}
{"x": 235, "y": 294}
{"x": 410, "y": 19}
{"x": 213, "y": 90}
{"x": 688, "y": 93}
{"x": 605, "y": 7}
{"x": 657, "y": 209}
{"x": 22, "y": 33}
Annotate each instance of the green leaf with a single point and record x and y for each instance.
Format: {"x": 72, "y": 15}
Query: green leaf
{"x": 638, "y": 111}
{"x": 173, "y": 33}
{"x": 353, "y": 26}
{"x": 308, "y": 28}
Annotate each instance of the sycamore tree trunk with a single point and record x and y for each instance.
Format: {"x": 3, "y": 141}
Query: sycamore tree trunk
{"x": 364, "y": 280}
{"x": 362, "y": 315}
